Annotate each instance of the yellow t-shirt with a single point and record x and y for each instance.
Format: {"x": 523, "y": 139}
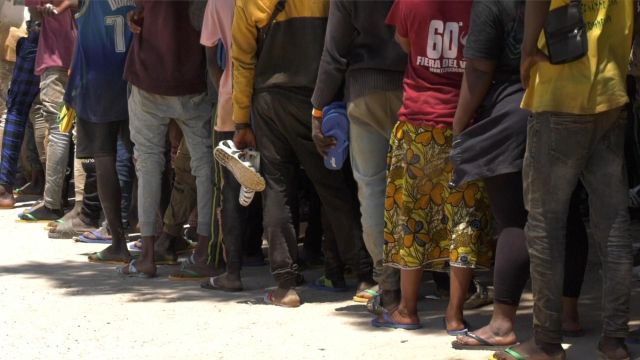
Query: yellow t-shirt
{"x": 595, "y": 83}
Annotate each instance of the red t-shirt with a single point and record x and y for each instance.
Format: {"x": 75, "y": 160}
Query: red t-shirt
{"x": 437, "y": 31}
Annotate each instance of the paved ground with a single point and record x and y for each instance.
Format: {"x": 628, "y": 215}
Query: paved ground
{"x": 55, "y": 305}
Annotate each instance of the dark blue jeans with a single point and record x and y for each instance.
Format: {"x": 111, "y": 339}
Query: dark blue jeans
{"x": 562, "y": 149}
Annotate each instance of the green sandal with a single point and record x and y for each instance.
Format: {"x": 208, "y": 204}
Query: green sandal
{"x": 367, "y": 294}
{"x": 101, "y": 258}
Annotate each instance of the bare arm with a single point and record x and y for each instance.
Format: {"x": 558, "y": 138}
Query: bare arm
{"x": 403, "y": 42}
{"x": 213, "y": 69}
{"x": 535, "y": 16}
{"x": 62, "y": 5}
{"x": 477, "y": 79}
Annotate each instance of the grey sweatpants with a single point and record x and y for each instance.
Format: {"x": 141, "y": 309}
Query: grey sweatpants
{"x": 149, "y": 117}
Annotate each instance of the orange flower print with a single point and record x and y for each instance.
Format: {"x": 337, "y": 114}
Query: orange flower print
{"x": 439, "y": 135}
{"x": 424, "y": 138}
{"x": 388, "y": 238}
{"x": 399, "y": 132}
{"x": 437, "y": 194}
{"x": 436, "y": 134}
{"x": 468, "y": 195}
{"x": 412, "y": 233}
{"x": 424, "y": 189}
{"x": 394, "y": 196}
{"x": 413, "y": 161}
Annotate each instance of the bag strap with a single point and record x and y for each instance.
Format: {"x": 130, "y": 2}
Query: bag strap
{"x": 263, "y": 32}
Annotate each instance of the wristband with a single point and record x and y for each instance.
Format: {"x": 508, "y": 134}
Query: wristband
{"x": 316, "y": 113}
{"x": 242, "y": 126}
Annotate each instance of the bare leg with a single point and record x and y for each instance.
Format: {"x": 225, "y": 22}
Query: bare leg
{"x": 110, "y": 195}
{"x": 570, "y": 316}
{"x": 407, "y": 311}
{"x": 460, "y": 281}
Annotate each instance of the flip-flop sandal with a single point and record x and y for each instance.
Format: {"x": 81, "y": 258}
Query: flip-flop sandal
{"x": 210, "y": 284}
{"x": 30, "y": 219}
{"x": 186, "y": 274}
{"x": 460, "y": 332}
{"x": 21, "y": 191}
{"x": 131, "y": 271}
{"x": 101, "y": 258}
{"x": 65, "y": 230}
{"x": 388, "y": 322}
{"x": 325, "y": 284}
{"x": 484, "y": 344}
{"x": 27, "y": 215}
{"x": 367, "y": 294}
{"x": 100, "y": 238}
{"x": 517, "y": 356}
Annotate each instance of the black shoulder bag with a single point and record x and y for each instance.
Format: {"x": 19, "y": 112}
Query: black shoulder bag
{"x": 263, "y": 32}
{"x": 566, "y": 34}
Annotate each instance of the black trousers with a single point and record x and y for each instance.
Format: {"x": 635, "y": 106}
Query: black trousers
{"x": 282, "y": 124}
{"x": 511, "y": 271}
{"x": 241, "y": 226}
{"x": 91, "y": 206}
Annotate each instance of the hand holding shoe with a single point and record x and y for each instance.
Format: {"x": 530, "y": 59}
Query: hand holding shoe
{"x": 323, "y": 143}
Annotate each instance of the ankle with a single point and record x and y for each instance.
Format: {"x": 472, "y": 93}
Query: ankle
{"x": 501, "y": 326}
{"x": 390, "y": 298}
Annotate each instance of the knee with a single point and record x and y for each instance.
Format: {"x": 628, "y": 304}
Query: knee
{"x": 149, "y": 164}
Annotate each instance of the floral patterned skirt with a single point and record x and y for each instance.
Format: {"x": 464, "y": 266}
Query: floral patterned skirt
{"x": 428, "y": 223}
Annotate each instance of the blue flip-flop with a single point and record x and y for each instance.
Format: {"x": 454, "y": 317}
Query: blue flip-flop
{"x": 100, "y": 238}
{"x": 388, "y": 322}
{"x": 335, "y": 124}
{"x": 460, "y": 332}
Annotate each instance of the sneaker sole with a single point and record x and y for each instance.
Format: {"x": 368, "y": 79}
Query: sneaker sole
{"x": 245, "y": 176}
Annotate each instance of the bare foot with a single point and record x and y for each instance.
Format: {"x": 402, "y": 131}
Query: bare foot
{"x": 531, "y": 350}
{"x": 111, "y": 255}
{"x": 7, "y": 201}
{"x": 144, "y": 266}
{"x": 402, "y": 316}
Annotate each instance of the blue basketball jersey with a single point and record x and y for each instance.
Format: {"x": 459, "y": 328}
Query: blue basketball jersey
{"x": 96, "y": 88}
